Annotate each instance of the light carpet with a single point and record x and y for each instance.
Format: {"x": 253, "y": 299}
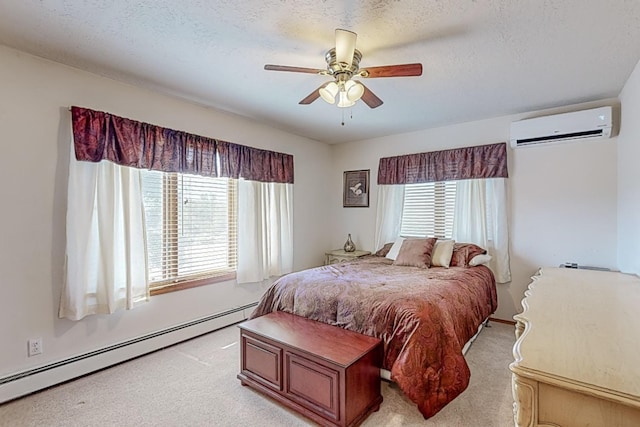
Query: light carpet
{"x": 194, "y": 384}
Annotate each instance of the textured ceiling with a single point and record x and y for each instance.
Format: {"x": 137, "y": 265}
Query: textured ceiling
{"x": 481, "y": 58}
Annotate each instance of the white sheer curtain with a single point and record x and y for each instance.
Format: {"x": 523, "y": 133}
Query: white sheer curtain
{"x": 106, "y": 264}
{"x": 388, "y": 214}
{"x": 265, "y": 230}
{"x": 481, "y": 217}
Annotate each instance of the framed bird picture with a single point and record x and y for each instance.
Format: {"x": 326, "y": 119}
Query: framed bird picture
{"x": 355, "y": 193}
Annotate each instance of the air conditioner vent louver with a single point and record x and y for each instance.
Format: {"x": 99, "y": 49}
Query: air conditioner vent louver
{"x": 586, "y": 124}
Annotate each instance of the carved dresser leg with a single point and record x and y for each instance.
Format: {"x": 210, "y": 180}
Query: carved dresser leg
{"x": 524, "y": 395}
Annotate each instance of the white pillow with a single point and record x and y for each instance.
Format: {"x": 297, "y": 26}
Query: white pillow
{"x": 442, "y": 252}
{"x": 479, "y": 260}
{"x": 395, "y": 249}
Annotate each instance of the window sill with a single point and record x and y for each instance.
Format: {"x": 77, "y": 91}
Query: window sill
{"x": 187, "y": 284}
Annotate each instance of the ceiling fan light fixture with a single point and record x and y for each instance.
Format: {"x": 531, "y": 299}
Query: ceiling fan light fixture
{"x": 345, "y": 46}
{"x": 354, "y": 90}
{"x": 329, "y": 92}
{"x": 344, "y": 101}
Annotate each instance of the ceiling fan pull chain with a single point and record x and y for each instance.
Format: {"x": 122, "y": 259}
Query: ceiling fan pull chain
{"x": 350, "y": 115}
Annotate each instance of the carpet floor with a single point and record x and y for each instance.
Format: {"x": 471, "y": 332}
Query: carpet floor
{"x": 194, "y": 384}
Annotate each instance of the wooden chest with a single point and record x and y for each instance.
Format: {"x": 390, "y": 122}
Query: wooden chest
{"x": 326, "y": 373}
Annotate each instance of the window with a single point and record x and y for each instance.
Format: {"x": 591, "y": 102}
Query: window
{"x": 191, "y": 229}
{"x": 428, "y": 209}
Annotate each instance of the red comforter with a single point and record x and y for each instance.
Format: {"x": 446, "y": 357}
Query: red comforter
{"x": 423, "y": 316}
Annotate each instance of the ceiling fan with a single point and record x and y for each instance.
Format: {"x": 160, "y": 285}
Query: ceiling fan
{"x": 343, "y": 64}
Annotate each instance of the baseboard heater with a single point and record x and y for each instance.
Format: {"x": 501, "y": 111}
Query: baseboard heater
{"x": 31, "y": 380}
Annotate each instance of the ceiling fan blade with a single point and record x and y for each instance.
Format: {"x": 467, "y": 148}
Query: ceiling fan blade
{"x": 272, "y": 67}
{"x": 345, "y": 46}
{"x": 370, "y": 98}
{"x": 312, "y": 96}
{"x": 399, "y": 70}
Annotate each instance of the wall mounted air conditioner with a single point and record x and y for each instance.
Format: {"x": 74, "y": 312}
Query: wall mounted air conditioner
{"x": 585, "y": 124}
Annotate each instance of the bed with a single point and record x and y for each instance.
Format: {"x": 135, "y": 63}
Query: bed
{"x": 424, "y": 316}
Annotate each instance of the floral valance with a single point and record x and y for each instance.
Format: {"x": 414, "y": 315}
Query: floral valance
{"x": 484, "y": 161}
{"x": 102, "y": 136}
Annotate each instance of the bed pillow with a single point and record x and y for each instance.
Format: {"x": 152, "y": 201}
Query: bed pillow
{"x": 383, "y": 251}
{"x": 479, "y": 260}
{"x": 463, "y": 253}
{"x": 416, "y": 253}
{"x": 395, "y": 249}
{"x": 442, "y": 252}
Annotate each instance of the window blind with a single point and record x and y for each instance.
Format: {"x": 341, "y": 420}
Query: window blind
{"x": 190, "y": 226}
{"x": 428, "y": 209}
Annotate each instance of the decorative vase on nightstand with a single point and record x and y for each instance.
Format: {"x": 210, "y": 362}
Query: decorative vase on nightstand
{"x": 349, "y": 246}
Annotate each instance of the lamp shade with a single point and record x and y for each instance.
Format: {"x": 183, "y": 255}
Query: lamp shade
{"x": 344, "y": 100}
{"x": 345, "y": 46}
{"x": 354, "y": 90}
{"x": 329, "y": 92}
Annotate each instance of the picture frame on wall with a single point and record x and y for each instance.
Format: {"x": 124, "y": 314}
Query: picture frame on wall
{"x": 355, "y": 192}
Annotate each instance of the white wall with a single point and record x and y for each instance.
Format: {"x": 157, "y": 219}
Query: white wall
{"x": 562, "y": 197}
{"x": 34, "y": 98}
{"x": 629, "y": 176}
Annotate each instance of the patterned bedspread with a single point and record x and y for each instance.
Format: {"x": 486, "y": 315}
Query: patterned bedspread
{"x": 423, "y": 316}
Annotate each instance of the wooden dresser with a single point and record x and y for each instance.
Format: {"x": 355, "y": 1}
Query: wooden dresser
{"x": 324, "y": 372}
{"x": 577, "y": 353}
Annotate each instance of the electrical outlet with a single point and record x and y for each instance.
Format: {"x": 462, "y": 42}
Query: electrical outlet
{"x": 35, "y": 346}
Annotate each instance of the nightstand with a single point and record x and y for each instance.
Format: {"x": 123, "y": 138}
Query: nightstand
{"x": 339, "y": 255}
